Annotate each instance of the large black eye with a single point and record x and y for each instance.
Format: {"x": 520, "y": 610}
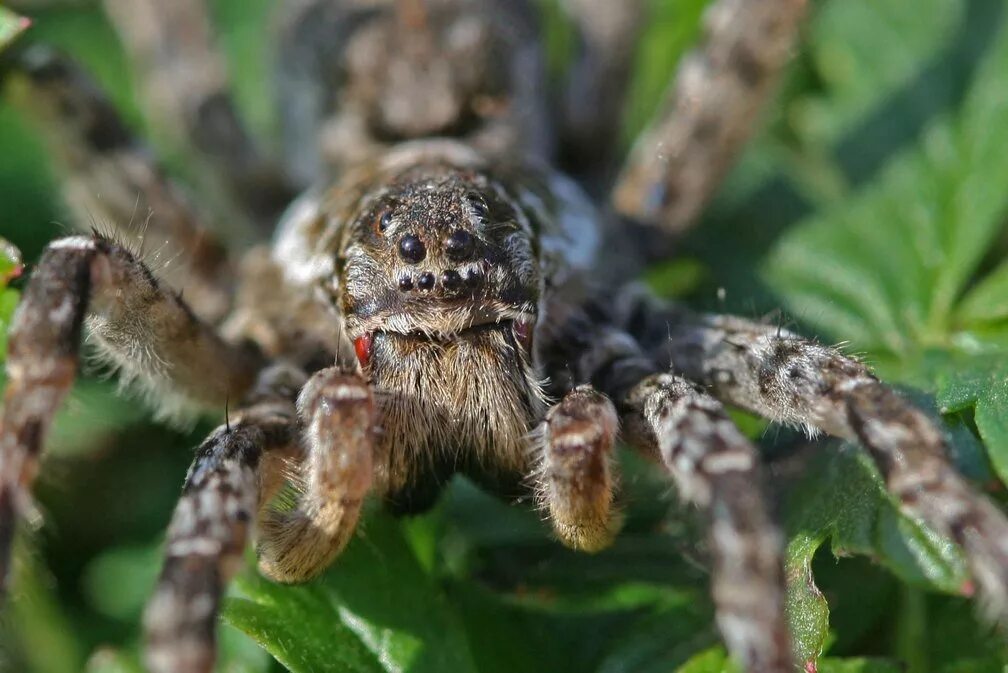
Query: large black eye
{"x": 459, "y": 245}
{"x": 412, "y": 249}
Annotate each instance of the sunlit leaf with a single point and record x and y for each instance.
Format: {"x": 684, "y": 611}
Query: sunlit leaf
{"x": 843, "y": 500}
{"x": 11, "y": 25}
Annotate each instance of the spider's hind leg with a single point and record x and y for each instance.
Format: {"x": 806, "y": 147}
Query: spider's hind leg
{"x": 184, "y": 80}
{"x": 710, "y": 112}
{"x": 111, "y": 182}
{"x": 593, "y": 105}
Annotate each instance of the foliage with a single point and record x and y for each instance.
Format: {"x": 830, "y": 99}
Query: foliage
{"x": 11, "y": 25}
{"x": 871, "y": 208}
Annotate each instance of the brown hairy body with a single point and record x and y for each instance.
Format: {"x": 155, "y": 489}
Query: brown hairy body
{"x": 440, "y": 299}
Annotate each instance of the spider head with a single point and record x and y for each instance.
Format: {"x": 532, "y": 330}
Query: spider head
{"x": 440, "y": 253}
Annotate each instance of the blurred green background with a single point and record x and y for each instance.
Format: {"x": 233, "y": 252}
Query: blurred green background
{"x": 870, "y": 209}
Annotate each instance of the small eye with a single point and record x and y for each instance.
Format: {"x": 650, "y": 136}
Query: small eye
{"x": 426, "y": 281}
{"x": 383, "y": 220}
{"x": 451, "y": 280}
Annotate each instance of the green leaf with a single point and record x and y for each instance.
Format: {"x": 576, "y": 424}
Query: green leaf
{"x": 119, "y": 581}
{"x": 376, "y": 604}
{"x": 865, "y": 54}
{"x": 712, "y": 660}
{"x": 834, "y": 665}
{"x": 842, "y": 499}
{"x": 11, "y": 25}
{"x": 887, "y": 266}
{"x": 980, "y": 381}
{"x": 987, "y": 301}
{"x": 35, "y": 633}
{"x": 10, "y": 268}
{"x": 299, "y": 627}
{"x": 671, "y": 28}
{"x": 107, "y": 660}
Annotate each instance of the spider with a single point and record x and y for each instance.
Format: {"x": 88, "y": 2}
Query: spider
{"x": 441, "y": 296}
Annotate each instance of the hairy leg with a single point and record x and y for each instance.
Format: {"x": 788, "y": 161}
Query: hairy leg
{"x": 793, "y": 380}
{"x": 717, "y": 469}
{"x": 184, "y": 79}
{"x": 339, "y": 417}
{"x": 111, "y": 182}
{"x": 211, "y": 525}
{"x": 574, "y": 479}
{"x": 710, "y": 112}
{"x": 147, "y": 331}
{"x": 713, "y": 465}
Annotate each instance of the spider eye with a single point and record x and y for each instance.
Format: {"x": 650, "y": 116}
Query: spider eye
{"x": 383, "y": 220}
{"x": 363, "y": 346}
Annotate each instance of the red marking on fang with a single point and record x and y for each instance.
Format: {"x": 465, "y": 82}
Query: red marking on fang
{"x": 363, "y": 347}
{"x": 810, "y": 666}
{"x": 967, "y": 588}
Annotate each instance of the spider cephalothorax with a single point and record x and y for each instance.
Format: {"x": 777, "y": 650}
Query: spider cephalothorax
{"x": 439, "y": 290}
{"x": 441, "y": 305}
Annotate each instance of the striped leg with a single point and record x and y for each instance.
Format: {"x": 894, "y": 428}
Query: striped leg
{"x": 184, "y": 79}
{"x": 792, "y": 380}
{"x": 574, "y": 480}
{"x": 711, "y": 111}
{"x": 714, "y": 466}
{"x": 147, "y": 331}
{"x": 717, "y": 469}
{"x": 338, "y": 414}
{"x": 210, "y": 528}
{"x": 111, "y": 182}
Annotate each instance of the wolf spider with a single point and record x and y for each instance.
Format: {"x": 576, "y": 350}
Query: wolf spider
{"x": 439, "y": 298}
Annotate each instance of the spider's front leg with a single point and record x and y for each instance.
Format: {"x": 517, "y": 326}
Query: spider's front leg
{"x": 145, "y": 330}
{"x": 716, "y": 468}
{"x": 713, "y": 465}
{"x": 325, "y": 444}
{"x": 793, "y": 380}
{"x": 339, "y": 417}
{"x": 574, "y": 479}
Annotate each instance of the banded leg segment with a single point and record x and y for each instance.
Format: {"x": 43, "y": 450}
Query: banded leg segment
{"x": 711, "y": 111}
{"x": 714, "y": 466}
{"x": 792, "y": 380}
{"x": 339, "y": 418}
{"x": 110, "y": 181}
{"x": 207, "y": 535}
{"x": 147, "y": 331}
{"x": 575, "y": 477}
{"x": 717, "y": 469}
{"x": 184, "y": 79}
